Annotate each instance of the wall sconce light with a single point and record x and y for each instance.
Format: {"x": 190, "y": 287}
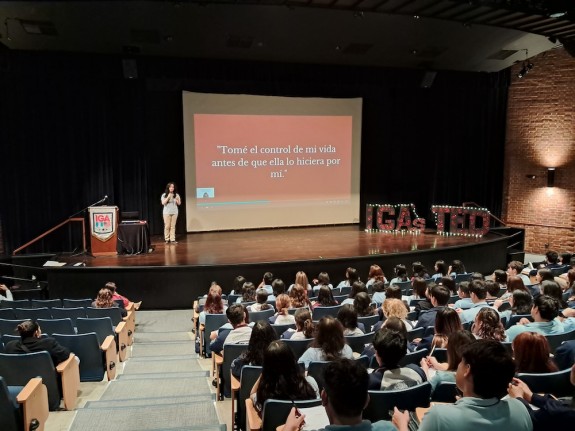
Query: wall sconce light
{"x": 550, "y": 177}
{"x": 531, "y": 176}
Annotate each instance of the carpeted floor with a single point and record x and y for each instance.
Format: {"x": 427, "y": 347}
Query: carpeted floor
{"x": 162, "y": 387}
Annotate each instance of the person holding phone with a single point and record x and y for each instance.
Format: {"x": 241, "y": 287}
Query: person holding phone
{"x": 171, "y": 200}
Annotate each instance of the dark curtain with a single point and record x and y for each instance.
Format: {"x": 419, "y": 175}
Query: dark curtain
{"x": 73, "y": 129}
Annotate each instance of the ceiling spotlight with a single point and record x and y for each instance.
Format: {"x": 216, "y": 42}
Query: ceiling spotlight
{"x": 527, "y": 66}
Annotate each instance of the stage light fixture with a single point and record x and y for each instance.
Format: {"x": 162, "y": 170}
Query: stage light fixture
{"x": 527, "y": 66}
{"x": 550, "y": 177}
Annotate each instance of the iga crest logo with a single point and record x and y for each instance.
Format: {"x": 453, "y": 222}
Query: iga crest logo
{"x": 103, "y": 223}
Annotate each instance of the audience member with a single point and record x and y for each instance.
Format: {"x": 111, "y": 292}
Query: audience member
{"x": 356, "y": 287}
{"x": 282, "y": 378}
{"x": 261, "y": 301}
{"x": 375, "y": 274}
{"x": 111, "y": 286}
{"x": 532, "y": 354}
{"x": 439, "y": 297}
{"x": 328, "y": 343}
{"x": 456, "y": 268}
{"x": 278, "y": 287}
{"x": 420, "y": 289}
{"x": 238, "y": 285}
{"x": 298, "y": 297}
{"x": 492, "y": 289}
{"x": 322, "y": 280}
{"x": 344, "y": 398}
{"x": 324, "y": 298}
{"x": 262, "y": 335}
{"x": 400, "y": 272}
{"x": 351, "y": 276}
{"x": 520, "y": 302}
{"x": 488, "y": 325}
{"x": 449, "y": 283}
{"x": 446, "y": 323}
{"x": 282, "y": 317}
{"x": 477, "y": 293}
{"x": 6, "y": 294}
{"x": 418, "y": 271}
{"x": 393, "y": 307}
{"x": 547, "y": 413}
{"x": 302, "y": 280}
{"x": 266, "y": 283}
{"x": 483, "y": 375}
{"x": 441, "y": 270}
{"x": 248, "y": 293}
{"x": 303, "y": 324}
{"x": 347, "y": 315}
{"x": 363, "y": 305}
{"x": 390, "y": 348}
{"x": 213, "y": 305}
{"x": 464, "y": 302}
{"x": 240, "y": 332}
{"x": 104, "y": 300}
{"x": 500, "y": 277}
{"x": 378, "y": 295}
{"x": 516, "y": 268}
{"x": 544, "y": 311}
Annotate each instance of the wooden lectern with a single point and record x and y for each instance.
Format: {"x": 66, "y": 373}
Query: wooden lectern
{"x": 103, "y": 230}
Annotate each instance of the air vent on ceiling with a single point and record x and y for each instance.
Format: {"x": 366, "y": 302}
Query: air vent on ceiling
{"x": 44, "y": 28}
{"x": 357, "y": 48}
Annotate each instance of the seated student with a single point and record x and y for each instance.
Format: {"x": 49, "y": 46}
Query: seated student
{"x": 375, "y": 274}
{"x": 550, "y": 413}
{"x": 248, "y": 293}
{"x": 544, "y": 311}
{"x": 31, "y": 341}
{"x": 439, "y": 297}
{"x": 324, "y": 298}
{"x": 240, "y": 332}
{"x": 266, "y": 283}
{"x": 261, "y": 301}
{"x": 520, "y": 302}
{"x": 303, "y": 326}
{"x": 378, "y": 289}
{"x": 115, "y": 295}
{"x": 321, "y": 280}
{"x": 104, "y": 300}
{"x": 262, "y": 335}
{"x": 477, "y": 293}
{"x": 328, "y": 343}
{"x": 515, "y": 268}
{"x": 390, "y": 348}
{"x": 344, "y": 398}
{"x": 446, "y": 322}
{"x": 400, "y": 272}
{"x": 441, "y": 270}
{"x": 492, "y": 291}
{"x": 282, "y": 378}
{"x": 483, "y": 375}
{"x": 351, "y": 276}
{"x": 282, "y": 317}
{"x": 458, "y": 340}
{"x": 363, "y": 305}
{"x": 7, "y": 294}
{"x": 532, "y": 354}
{"x": 356, "y": 288}
{"x": 348, "y": 318}
{"x": 392, "y": 323}
{"x": 213, "y": 305}
{"x": 449, "y": 283}
{"x": 456, "y": 268}
{"x": 464, "y": 302}
{"x": 393, "y": 307}
{"x": 298, "y": 297}
{"x": 420, "y": 292}
{"x": 278, "y": 287}
{"x": 488, "y": 325}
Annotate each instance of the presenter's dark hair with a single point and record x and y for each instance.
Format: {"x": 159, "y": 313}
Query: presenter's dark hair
{"x": 168, "y": 188}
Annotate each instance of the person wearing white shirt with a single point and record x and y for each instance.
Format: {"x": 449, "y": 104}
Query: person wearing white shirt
{"x": 5, "y": 293}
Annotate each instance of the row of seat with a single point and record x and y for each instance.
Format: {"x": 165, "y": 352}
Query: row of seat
{"x": 47, "y": 303}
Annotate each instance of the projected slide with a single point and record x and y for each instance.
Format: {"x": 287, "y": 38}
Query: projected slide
{"x": 251, "y": 165}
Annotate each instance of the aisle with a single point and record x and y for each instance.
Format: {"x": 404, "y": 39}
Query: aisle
{"x": 162, "y": 386}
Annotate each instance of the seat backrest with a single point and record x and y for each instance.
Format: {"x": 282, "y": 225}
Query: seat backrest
{"x": 280, "y": 329}
{"x": 415, "y": 333}
{"x": 7, "y": 314}
{"x": 368, "y": 321}
{"x": 213, "y": 323}
{"x": 294, "y": 310}
{"x": 248, "y": 378}
{"x": 556, "y": 383}
{"x": 440, "y": 354}
{"x": 557, "y": 339}
{"x": 275, "y": 412}
{"x": 18, "y": 369}
{"x": 298, "y": 347}
{"x": 56, "y": 326}
{"x": 381, "y": 402}
{"x": 231, "y": 352}
{"x": 516, "y": 318}
{"x": 87, "y": 349}
{"x": 33, "y": 313}
{"x": 462, "y": 277}
{"x": 413, "y": 357}
{"x": 430, "y": 330}
{"x": 445, "y": 392}
{"x": 8, "y": 326}
{"x": 69, "y": 313}
{"x": 9, "y": 416}
{"x": 46, "y": 303}
{"x": 232, "y": 299}
{"x": 113, "y": 313}
{"x": 261, "y": 315}
{"x": 319, "y": 312}
{"x": 102, "y": 326}
{"x": 345, "y": 290}
{"x": 75, "y": 303}
{"x": 16, "y": 303}
{"x": 405, "y": 286}
{"x": 358, "y": 342}
{"x": 412, "y": 315}
{"x": 316, "y": 369}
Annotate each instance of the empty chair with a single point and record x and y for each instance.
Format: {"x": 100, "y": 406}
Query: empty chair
{"x": 68, "y": 313}
{"x": 261, "y": 315}
{"x": 8, "y": 327}
{"x": 56, "y": 326}
{"x": 32, "y": 313}
{"x": 556, "y": 383}
{"x": 368, "y": 321}
{"x": 96, "y": 360}
{"x": 32, "y": 405}
{"x": 75, "y": 303}
{"x": 18, "y": 369}
{"x": 557, "y": 339}
{"x": 382, "y": 402}
{"x": 248, "y": 378}
{"x": 103, "y": 328}
{"x": 213, "y": 323}
{"x": 275, "y": 412}
{"x": 413, "y": 357}
{"x": 46, "y": 303}
{"x": 231, "y": 352}
{"x": 114, "y": 313}
{"x": 358, "y": 342}
{"x": 319, "y": 312}
{"x": 7, "y": 314}
{"x": 280, "y": 329}
{"x": 298, "y": 347}
{"x": 16, "y": 303}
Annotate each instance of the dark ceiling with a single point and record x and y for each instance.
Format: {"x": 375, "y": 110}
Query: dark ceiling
{"x": 469, "y": 35}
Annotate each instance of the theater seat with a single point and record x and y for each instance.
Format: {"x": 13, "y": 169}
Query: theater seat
{"x": 381, "y": 402}
{"x": 28, "y": 408}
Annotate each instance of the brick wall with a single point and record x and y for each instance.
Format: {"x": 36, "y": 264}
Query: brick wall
{"x": 541, "y": 134}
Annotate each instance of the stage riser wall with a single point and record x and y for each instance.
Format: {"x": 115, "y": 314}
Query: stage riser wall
{"x": 177, "y": 287}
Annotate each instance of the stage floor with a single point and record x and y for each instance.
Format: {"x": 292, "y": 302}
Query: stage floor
{"x": 277, "y": 245}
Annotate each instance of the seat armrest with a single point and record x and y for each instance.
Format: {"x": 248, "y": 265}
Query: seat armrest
{"x": 253, "y": 421}
{"x": 109, "y": 349}
{"x": 123, "y": 340}
{"x": 69, "y": 371}
{"x": 34, "y": 401}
